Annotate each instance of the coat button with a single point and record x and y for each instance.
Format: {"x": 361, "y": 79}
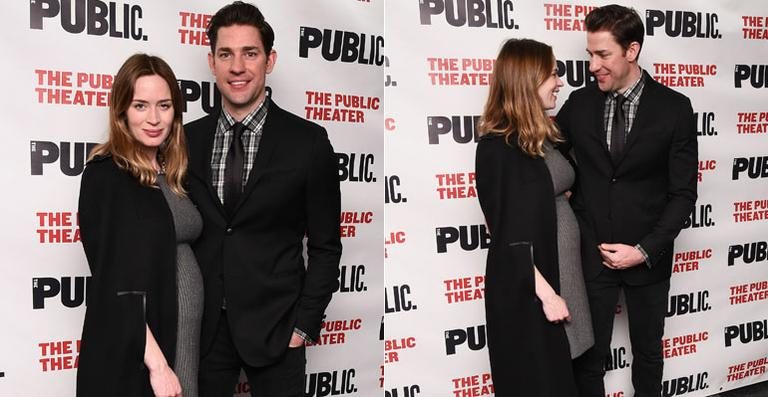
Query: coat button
{"x": 613, "y": 180}
{"x": 229, "y": 231}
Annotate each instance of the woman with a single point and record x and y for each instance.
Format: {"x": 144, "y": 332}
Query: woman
{"x": 142, "y": 324}
{"x": 536, "y": 304}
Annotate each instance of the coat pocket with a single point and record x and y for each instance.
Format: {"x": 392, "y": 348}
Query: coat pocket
{"x": 132, "y": 312}
{"x": 521, "y": 257}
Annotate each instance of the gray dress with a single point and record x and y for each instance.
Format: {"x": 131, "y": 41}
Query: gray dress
{"x": 189, "y": 288}
{"x": 572, "y": 288}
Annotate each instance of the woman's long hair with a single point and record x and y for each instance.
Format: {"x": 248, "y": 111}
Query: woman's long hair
{"x": 514, "y": 106}
{"x": 127, "y": 152}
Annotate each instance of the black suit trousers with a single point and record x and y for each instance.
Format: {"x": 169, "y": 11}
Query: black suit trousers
{"x": 220, "y": 370}
{"x": 646, "y": 309}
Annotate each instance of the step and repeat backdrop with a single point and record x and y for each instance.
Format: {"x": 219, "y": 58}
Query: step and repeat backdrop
{"x": 61, "y": 58}
{"x": 440, "y": 54}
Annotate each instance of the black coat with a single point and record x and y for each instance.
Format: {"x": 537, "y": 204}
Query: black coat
{"x": 255, "y": 257}
{"x": 529, "y": 355}
{"x": 648, "y": 194}
{"x": 128, "y": 235}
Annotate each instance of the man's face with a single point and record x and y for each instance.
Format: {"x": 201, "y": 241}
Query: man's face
{"x": 611, "y": 64}
{"x": 240, "y": 66}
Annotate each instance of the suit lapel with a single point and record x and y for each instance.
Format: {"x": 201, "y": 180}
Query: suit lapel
{"x": 647, "y": 104}
{"x": 599, "y": 122}
{"x": 270, "y": 139}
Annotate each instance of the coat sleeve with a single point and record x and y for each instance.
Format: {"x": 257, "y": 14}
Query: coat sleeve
{"x": 681, "y": 191}
{"x": 323, "y": 208}
{"x": 102, "y": 227}
{"x": 94, "y": 217}
{"x": 114, "y": 327}
{"x": 499, "y": 180}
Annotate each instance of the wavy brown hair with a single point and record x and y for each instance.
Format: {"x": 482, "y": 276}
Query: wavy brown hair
{"x": 126, "y": 151}
{"x": 514, "y": 106}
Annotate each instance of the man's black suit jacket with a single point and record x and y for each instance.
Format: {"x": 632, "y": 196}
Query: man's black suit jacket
{"x": 254, "y": 258}
{"x": 646, "y": 196}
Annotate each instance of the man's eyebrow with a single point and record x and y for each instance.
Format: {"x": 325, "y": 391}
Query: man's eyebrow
{"x": 245, "y": 48}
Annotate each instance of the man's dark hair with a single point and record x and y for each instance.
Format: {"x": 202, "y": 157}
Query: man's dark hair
{"x": 623, "y": 23}
{"x": 239, "y": 13}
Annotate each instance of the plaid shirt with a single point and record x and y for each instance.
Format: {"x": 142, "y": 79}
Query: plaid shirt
{"x": 254, "y": 124}
{"x": 630, "y": 107}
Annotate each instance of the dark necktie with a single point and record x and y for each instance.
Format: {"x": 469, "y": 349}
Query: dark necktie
{"x": 618, "y": 128}
{"x": 233, "y": 169}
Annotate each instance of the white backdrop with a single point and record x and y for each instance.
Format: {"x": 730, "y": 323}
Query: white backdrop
{"x": 59, "y": 62}
{"x": 440, "y": 53}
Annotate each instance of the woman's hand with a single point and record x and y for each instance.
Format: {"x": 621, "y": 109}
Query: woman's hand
{"x": 553, "y": 304}
{"x": 164, "y": 382}
{"x": 161, "y": 377}
{"x": 555, "y": 309}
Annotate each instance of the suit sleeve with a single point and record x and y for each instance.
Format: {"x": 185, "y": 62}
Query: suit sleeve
{"x": 561, "y": 119}
{"x": 323, "y": 206}
{"x": 586, "y": 229}
{"x": 683, "y": 163}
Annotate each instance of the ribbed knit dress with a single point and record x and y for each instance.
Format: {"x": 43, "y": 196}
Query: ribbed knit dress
{"x": 189, "y": 288}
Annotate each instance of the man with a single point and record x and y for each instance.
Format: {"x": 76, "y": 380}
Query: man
{"x": 634, "y": 141}
{"x": 262, "y": 179}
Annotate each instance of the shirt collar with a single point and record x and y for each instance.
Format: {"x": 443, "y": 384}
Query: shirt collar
{"x": 632, "y": 94}
{"x": 251, "y": 120}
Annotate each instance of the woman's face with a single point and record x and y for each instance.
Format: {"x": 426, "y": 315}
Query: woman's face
{"x": 549, "y": 88}
{"x": 150, "y": 114}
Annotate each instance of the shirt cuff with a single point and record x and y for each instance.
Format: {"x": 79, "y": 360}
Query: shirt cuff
{"x": 645, "y": 255}
{"x": 303, "y": 335}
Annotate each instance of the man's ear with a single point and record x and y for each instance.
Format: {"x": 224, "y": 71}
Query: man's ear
{"x": 632, "y": 52}
{"x": 271, "y": 60}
